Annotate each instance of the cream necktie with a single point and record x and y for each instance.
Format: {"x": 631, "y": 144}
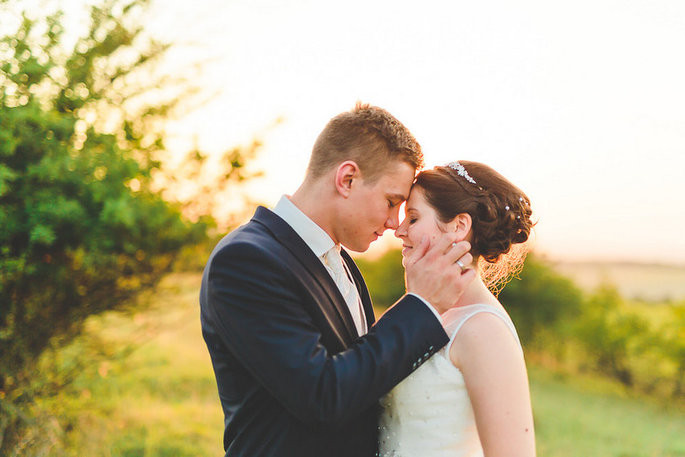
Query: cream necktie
{"x": 334, "y": 261}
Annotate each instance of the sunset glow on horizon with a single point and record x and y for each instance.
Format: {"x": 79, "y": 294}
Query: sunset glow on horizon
{"x": 580, "y": 104}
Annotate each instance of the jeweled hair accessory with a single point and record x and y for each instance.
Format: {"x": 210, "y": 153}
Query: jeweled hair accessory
{"x": 461, "y": 171}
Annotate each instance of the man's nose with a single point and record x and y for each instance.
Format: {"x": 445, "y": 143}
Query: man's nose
{"x": 393, "y": 222}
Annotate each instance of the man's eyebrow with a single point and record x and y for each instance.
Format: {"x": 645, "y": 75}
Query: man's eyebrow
{"x": 397, "y": 197}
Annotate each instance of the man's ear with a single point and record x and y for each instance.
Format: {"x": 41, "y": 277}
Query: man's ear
{"x": 461, "y": 224}
{"x": 346, "y": 174}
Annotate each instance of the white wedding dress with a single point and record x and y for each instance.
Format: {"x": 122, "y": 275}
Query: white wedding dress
{"x": 429, "y": 413}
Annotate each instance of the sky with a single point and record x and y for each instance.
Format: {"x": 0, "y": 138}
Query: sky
{"x": 581, "y": 104}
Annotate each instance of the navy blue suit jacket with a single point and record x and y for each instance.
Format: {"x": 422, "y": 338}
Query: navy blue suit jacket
{"x": 294, "y": 378}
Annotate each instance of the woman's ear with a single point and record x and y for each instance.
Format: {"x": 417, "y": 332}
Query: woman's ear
{"x": 461, "y": 224}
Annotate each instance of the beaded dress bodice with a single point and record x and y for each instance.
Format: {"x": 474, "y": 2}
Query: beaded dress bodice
{"x": 429, "y": 413}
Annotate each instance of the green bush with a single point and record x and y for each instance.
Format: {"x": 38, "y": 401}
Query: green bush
{"x": 541, "y": 302}
{"x": 672, "y": 345}
{"x": 83, "y": 228}
{"x": 610, "y": 335}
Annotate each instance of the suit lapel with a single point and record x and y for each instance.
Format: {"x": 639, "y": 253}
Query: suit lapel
{"x": 361, "y": 288}
{"x": 285, "y": 235}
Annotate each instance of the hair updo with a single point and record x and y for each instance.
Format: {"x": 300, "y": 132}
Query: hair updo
{"x": 500, "y": 212}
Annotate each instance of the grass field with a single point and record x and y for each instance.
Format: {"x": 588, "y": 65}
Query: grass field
{"x": 146, "y": 389}
{"x": 591, "y": 417}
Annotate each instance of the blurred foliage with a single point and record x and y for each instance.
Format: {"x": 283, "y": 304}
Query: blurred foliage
{"x": 627, "y": 344}
{"x": 384, "y": 277}
{"x": 85, "y": 225}
{"x": 672, "y": 343}
{"x": 205, "y": 184}
{"x": 609, "y": 334}
{"x": 540, "y": 301}
{"x": 135, "y": 382}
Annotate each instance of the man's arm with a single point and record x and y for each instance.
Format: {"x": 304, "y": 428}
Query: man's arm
{"x": 256, "y": 311}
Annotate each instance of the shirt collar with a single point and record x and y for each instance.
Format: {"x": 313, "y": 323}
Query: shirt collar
{"x": 314, "y": 236}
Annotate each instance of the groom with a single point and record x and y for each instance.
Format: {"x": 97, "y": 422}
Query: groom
{"x": 299, "y": 362}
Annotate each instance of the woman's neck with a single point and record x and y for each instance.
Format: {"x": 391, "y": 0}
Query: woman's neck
{"x": 477, "y": 292}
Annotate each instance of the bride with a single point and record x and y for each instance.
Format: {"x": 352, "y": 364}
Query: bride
{"x": 472, "y": 397}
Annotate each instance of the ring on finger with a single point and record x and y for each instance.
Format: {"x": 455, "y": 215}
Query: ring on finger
{"x": 461, "y": 265}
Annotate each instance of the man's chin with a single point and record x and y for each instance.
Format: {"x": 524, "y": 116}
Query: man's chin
{"x": 375, "y": 238}
{"x": 362, "y": 246}
{"x": 359, "y": 248}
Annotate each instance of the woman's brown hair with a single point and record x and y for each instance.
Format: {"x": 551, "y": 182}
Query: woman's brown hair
{"x": 500, "y": 212}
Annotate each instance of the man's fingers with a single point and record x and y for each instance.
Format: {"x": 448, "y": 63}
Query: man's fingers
{"x": 465, "y": 260}
{"x": 457, "y": 249}
{"x": 468, "y": 275}
{"x": 464, "y": 275}
{"x": 444, "y": 243}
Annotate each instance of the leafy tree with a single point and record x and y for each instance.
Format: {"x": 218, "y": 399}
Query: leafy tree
{"x": 83, "y": 223}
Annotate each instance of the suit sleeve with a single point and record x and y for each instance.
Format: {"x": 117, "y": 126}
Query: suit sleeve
{"x": 259, "y": 316}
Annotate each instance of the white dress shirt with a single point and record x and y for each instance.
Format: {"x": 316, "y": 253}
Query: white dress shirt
{"x": 320, "y": 243}
{"x": 328, "y": 253}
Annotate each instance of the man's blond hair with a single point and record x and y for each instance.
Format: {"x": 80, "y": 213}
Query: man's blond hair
{"x": 367, "y": 135}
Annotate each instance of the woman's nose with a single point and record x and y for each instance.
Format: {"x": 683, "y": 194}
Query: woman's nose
{"x": 401, "y": 231}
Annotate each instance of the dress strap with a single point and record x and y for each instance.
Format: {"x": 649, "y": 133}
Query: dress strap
{"x": 454, "y": 319}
